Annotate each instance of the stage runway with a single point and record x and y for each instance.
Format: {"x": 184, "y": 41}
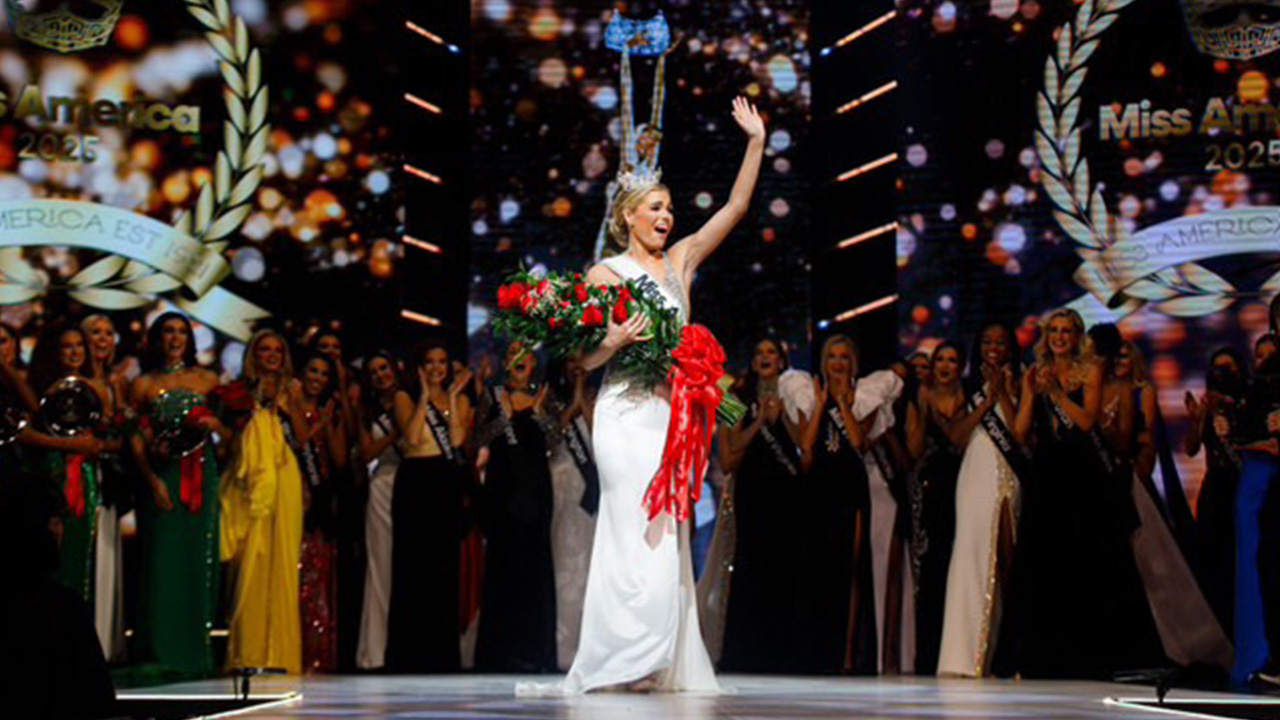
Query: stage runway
{"x": 477, "y": 697}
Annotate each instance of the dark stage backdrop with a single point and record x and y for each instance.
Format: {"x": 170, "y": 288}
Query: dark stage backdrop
{"x": 545, "y": 109}
{"x": 1092, "y": 155}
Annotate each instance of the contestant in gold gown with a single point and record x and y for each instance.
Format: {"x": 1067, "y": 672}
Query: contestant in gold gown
{"x": 262, "y": 519}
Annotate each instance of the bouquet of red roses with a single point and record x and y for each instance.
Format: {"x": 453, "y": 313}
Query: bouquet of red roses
{"x": 562, "y": 314}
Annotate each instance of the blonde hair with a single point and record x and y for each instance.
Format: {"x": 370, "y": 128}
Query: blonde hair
{"x": 251, "y": 371}
{"x": 826, "y": 348}
{"x": 1044, "y": 355}
{"x": 625, "y": 202}
{"x": 86, "y": 324}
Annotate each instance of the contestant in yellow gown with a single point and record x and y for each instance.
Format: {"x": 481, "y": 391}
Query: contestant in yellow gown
{"x": 262, "y": 524}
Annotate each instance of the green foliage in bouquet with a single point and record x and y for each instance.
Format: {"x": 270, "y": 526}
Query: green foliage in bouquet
{"x": 563, "y": 315}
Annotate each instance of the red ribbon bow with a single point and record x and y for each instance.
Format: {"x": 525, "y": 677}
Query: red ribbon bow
{"x": 75, "y": 484}
{"x": 697, "y": 364}
{"x": 191, "y": 491}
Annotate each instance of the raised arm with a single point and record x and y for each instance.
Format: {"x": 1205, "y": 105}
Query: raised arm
{"x": 1022, "y": 425}
{"x": 690, "y": 252}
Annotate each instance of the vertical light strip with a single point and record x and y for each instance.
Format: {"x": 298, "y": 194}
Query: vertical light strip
{"x": 864, "y": 309}
{"x": 423, "y": 174}
{"x": 884, "y": 89}
{"x": 420, "y": 318}
{"x": 874, "y": 164}
{"x": 429, "y": 107}
{"x": 421, "y": 244}
{"x": 868, "y": 235}
{"x": 878, "y": 22}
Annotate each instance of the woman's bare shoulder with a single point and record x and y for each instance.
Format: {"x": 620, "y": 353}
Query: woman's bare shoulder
{"x": 601, "y": 274}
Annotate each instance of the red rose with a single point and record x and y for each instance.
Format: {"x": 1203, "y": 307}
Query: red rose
{"x": 564, "y": 304}
{"x": 509, "y": 296}
{"x": 580, "y": 292}
{"x": 625, "y": 294}
{"x": 620, "y": 311}
{"x": 592, "y": 316}
{"x": 554, "y": 322}
{"x": 542, "y": 286}
{"x": 236, "y": 396}
{"x": 527, "y": 302}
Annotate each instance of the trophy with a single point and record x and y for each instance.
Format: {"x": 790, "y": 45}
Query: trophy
{"x": 71, "y": 407}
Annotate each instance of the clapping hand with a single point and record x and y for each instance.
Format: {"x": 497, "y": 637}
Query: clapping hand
{"x": 771, "y": 408}
{"x": 748, "y": 118}
{"x": 460, "y": 381}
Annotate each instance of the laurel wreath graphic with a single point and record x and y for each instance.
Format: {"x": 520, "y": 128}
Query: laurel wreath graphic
{"x": 221, "y": 207}
{"x": 1186, "y": 290}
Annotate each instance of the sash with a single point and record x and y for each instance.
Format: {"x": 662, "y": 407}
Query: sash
{"x": 1095, "y": 437}
{"x": 306, "y": 453}
{"x": 775, "y": 447}
{"x": 383, "y": 421}
{"x": 880, "y": 454}
{"x": 577, "y": 440}
{"x": 1013, "y": 451}
{"x": 500, "y": 394}
{"x": 837, "y": 420}
{"x": 440, "y": 431}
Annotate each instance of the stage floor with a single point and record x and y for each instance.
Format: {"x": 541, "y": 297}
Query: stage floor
{"x": 482, "y": 697}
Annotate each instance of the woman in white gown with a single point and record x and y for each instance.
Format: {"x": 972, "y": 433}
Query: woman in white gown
{"x": 640, "y": 619}
{"x": 986, "y": 513}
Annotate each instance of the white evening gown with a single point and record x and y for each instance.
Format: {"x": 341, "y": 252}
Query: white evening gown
{"x": 985, "y": 485}
{"x": 877, "y": 393}
{"x": 371, "y": 650}
{"x": 640, "y": 616}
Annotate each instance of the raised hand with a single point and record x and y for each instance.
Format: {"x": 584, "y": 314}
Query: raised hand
{"x": 460, "y": 381}
{"x": 745, "y": 114}
{"x": 820, "y": 393}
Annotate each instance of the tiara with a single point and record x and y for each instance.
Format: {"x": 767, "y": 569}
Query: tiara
{"x": 62, "y": 29}
{"x": 1242, "y": 37}
{"x": 641, "y": 177}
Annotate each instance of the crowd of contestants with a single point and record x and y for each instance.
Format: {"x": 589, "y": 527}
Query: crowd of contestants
{"x": 978, "y": 513}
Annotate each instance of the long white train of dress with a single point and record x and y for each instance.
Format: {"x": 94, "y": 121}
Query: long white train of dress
{"x": 986, "y": 483}
{"x": 640, "y": 614}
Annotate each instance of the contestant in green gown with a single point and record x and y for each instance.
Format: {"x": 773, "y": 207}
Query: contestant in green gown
{"x": 178, "y": 518}
{"x": 179, "y": 593}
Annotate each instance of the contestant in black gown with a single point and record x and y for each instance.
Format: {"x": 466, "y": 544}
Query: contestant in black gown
{"x": 837, "y": 630}
{"x": 1214, "y": 424}
{"x": 518, "y": 602}
{"x": 426, "y": 519}
{"x": 1076, "y": 575}
{"x": 941, "y": 407}
{"x": 763, "y": 602}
